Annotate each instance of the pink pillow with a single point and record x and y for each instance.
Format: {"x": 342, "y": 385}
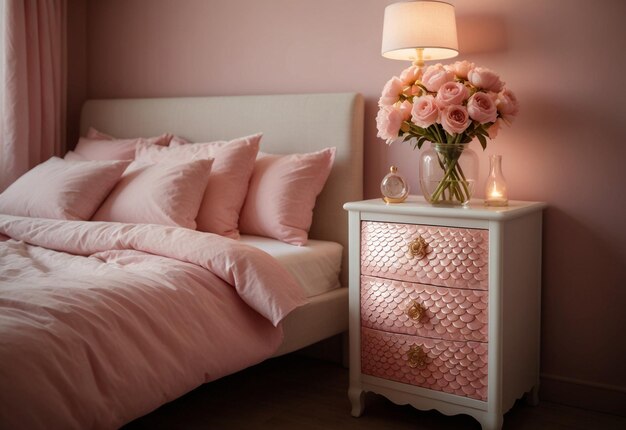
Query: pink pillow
{"x": 167, "y": 193}
{"x": 62, "y": 189}
{"x": 228, "y": 184}
{"x": 92, "y": 133}
{"x": 72, "y": 156}
{"x": 101, "y": 146}
{"x": 177, "y": 141}
{"x": 282, "y": 195}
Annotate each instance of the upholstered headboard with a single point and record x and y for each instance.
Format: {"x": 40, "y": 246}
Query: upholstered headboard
{"x": 289, "y": 123}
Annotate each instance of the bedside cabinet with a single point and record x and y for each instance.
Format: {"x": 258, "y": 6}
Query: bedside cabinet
{"x": 445, "y": 305}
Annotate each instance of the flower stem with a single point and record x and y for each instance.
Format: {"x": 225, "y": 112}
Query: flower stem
{"x": 453, "y": 185}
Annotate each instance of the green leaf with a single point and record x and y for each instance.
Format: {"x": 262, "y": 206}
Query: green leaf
{"x": 483, "y": 141}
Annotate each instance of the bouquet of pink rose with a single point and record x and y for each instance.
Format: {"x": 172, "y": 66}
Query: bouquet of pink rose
{"x": 451, "y": 104}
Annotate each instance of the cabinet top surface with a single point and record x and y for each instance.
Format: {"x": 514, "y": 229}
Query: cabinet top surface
{"x": 416, "y": 205}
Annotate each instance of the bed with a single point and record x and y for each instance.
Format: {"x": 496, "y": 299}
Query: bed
{"x": 253, "y": 311}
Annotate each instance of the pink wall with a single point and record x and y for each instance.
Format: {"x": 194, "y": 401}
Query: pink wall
{"x": 567, "y": 147}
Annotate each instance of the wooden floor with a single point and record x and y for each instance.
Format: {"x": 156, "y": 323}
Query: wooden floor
{"x": 296, "y": 392}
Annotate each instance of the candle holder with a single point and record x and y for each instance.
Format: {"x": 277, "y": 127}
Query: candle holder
{"x": 495, "y": 189}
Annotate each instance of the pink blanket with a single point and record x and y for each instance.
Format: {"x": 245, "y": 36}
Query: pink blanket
{"x": 102, "y": 322}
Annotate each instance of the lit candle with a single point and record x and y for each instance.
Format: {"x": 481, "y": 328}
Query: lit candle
{"x": 495, "y": 193}
{"x": 495, "y": 189}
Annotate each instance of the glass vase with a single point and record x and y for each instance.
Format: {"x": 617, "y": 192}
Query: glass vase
{"x": 448, "y": 173}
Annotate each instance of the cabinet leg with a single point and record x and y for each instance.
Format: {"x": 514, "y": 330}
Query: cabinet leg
{"x": 532, "y": 397}
{"x": 492, "y": 422}
{"x": 357, "y": 399}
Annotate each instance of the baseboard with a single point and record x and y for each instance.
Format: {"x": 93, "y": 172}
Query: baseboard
{"x": 583, "y": 394}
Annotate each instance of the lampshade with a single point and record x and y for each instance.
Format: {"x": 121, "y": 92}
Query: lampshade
{"x": 429, "y": 26}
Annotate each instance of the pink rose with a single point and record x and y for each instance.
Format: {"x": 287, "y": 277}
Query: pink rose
{"x": 405, "y": 109}
{"x": 389, "y": 120}
{"x": 481, "y": 77}
{"x": 452, "y": 93}
{"x": 435, "y": 76}
{"x": 462, "y": 68}
{"x": 410, "y": 75}
{"x": 454, "y": 119}
{"x": 507, "y": 103}
{"x": 413, "y": 90}
{"x": 391, "y": 92}
{"x": 425, "y": 111}
{"x": 482, "y": 108}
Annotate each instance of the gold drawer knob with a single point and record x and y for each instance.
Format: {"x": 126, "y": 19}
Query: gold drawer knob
{"x": 416, "y": 357}
{"x": 418, "y": 247}
{"x": 415, "y": 311}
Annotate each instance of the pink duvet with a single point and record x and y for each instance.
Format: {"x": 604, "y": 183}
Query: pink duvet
{"x": 101, "y": 323}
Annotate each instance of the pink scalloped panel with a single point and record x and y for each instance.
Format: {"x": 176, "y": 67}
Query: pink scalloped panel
{"x": 448, "y": 313}
{"x": 455, "y": 257}
{"x": 451, "y": 367}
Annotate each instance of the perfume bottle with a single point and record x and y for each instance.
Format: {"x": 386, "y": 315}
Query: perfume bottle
{"x": 495, "y": 189}
{"x": 394, "y": 187}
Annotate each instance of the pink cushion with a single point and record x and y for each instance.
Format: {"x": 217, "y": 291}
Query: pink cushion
{"x": 101, "y": 146}
{"x": 282, "y": 195}
{"x": 62, "y": 189}
{"x": 163, "y": 139}
{"x": 92, "y": 133}
{"x": 228, "y": 184}
{"x": 72, "y": 156}
{"x": 167, "y": 193}
{"x": 177, "y": 140}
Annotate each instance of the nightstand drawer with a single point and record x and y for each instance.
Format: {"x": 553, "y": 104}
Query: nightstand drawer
{"x": 442, "y": 256}
{"x": 451, "y": 367}
{"x": 424, "y": 310}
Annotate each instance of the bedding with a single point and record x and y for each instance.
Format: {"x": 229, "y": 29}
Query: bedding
{"x": 103, "y": 322}
{"x": 315, "y": 266}
{"x": 93, "y": 133}
{"x": 167, "y": 193}
{"x": 104, "y": 147}
{"x": 227, "y": 187}
{"x": 62, "y": 189}
{"x": 282, "y": 194}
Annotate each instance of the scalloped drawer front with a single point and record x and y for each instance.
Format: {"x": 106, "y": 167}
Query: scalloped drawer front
{"x": 438, "y": 312}
{"x": 451, "y": 367}
{"x": 454, "y": 257}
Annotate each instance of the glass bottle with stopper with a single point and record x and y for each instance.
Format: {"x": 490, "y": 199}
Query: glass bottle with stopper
{"x": 394, "y": 187}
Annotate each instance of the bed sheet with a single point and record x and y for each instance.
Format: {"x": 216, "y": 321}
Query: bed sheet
{"x": 315, "y": 266}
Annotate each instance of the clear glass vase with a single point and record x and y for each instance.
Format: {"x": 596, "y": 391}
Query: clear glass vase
{"x": 448, "y": 173}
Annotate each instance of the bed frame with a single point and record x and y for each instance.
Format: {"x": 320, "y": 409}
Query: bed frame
{"x": 289, "y": 123}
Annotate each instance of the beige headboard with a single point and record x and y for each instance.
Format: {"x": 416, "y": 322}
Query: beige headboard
{"x": 289, "y": 123}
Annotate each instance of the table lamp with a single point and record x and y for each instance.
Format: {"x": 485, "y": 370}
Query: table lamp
{"x": 419, "y": 31}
